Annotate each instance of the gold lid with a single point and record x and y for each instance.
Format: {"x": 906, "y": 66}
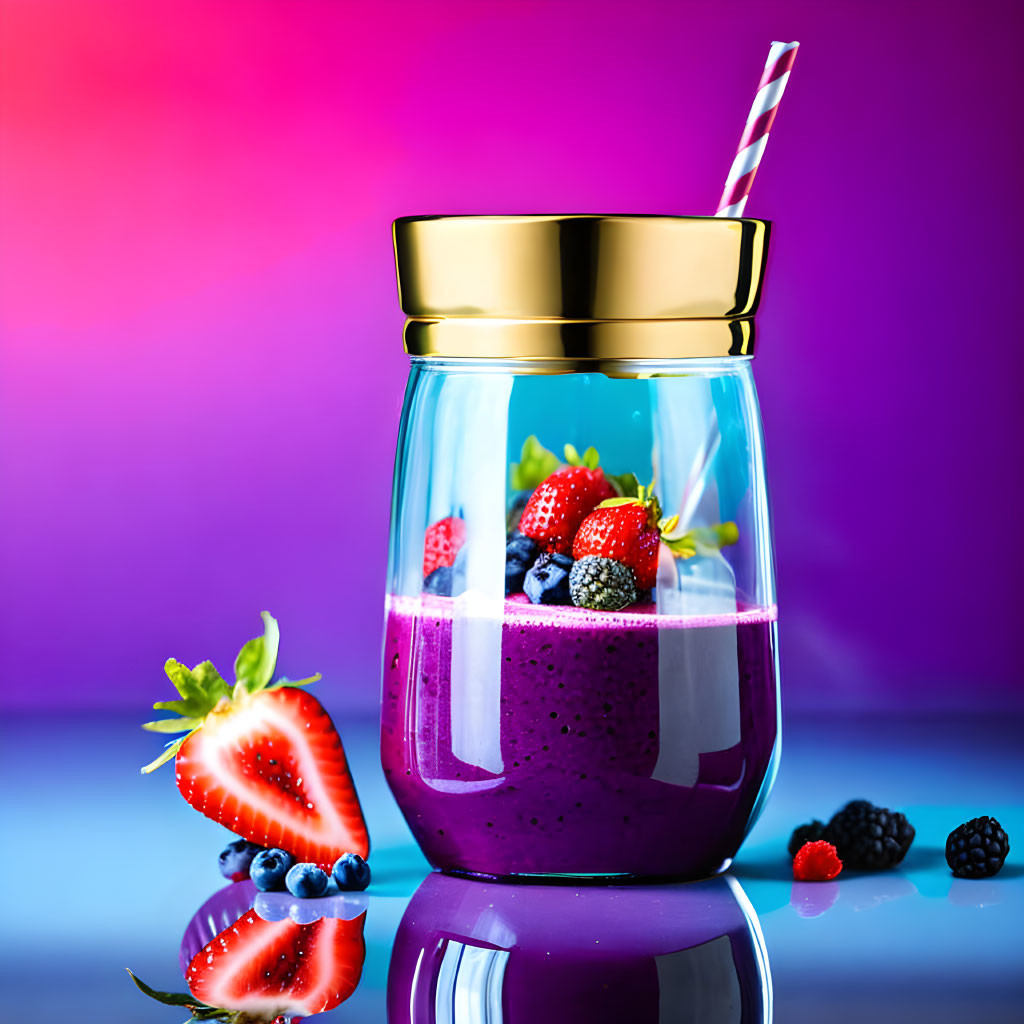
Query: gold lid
{"x": 548, "y": 286}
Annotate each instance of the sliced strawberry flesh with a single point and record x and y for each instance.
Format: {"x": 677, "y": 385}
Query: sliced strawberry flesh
{"x": 273, "y": 770}
{"x": 269, "y": 967}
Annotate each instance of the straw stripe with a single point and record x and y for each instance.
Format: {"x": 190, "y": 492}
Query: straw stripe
{"x": 739, "y": 190}
{"x": 757, "y": 128}
{"x": 781, "y": 58}
{"x": 746, "y": 161}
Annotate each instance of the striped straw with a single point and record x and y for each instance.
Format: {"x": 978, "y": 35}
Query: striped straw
{"x": 755, "y": 135}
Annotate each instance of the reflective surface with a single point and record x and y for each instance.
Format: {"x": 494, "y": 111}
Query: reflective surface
{"x": 111, "y": 870}
{"x": 469, "y": 951}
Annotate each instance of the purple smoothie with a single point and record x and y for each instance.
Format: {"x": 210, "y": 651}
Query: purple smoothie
{"x": 562, "y": 741}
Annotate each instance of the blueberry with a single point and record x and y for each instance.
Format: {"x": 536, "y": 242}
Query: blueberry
{"x": 439, "y": 581}
{"x": 268, "y": 869}
{"x": 521, "y": 548}
{"x": 306, "y": 881}
{"x": 548, "y": 581}
{"x": 520, "y": 554}
{"x": 236, "y": 857}
{"x": 351, "y": 872}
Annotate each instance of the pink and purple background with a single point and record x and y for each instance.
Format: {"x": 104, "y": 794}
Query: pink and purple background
{"x": 201, "y": 361}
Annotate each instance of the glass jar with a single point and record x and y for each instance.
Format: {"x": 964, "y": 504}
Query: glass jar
{"x": 580, "y": 670}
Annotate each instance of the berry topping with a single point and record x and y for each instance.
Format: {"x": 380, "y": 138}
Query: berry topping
{"x": 548, "y": 581}
{"x": 869, "y": 838}
{"x": 443, "y": 542}
{"x": 263, "y": 760}
{"x": 306, "y": 881}
{"x": 816, "y": 862}
{"x": 601, "y": 583}
{"x": 630, "y": 531}
{"x": 520, "y": 554}
{"x": 624, "y": 530}
{"x": 351, "y": 872}
{"x": 269, "y": 868}
{"x": 808, "y": 833}
{"x": 977, "y": 849}
{"x": 559, "y": 504}
{"x": 236, "y": 857}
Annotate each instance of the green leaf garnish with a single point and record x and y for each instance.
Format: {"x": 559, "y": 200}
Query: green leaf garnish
{"x": 625, "y": 484}
{"x": 256, "y": 661}
{"x": 535, "y": 465}
{"x": 702, "y": 540}
{"x": 589, "y": 458}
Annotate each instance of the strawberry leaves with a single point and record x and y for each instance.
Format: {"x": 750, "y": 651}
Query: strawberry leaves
{"x": 535, "y": 465}
{"x": 589, "y": 459}
{"x": 702, "y": 540}
{"x": 256, "y": 661}
{"x": 203, "y": 689}
{"x": 200, "y": 1010}
{"x": 626, "y": 484}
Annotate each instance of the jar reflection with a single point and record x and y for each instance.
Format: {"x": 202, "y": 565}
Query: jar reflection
{"x": 470, "y": 952}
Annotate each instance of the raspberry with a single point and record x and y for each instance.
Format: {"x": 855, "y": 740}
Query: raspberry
{"x": 816, "y": 862}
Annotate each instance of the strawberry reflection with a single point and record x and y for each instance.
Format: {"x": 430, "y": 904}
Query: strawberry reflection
{"x": 268, "y": 958}
{"x": 471, "y": 952}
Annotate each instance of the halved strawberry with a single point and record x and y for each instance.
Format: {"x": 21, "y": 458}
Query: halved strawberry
{"x": 443, "y": 541}
{"x": 263, "y": 968}
{"x": 265, "y": 761}
{"x": 561, "y": 502}
{"x": 630, "y": 530}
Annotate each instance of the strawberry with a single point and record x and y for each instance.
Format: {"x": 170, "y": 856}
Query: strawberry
{"x": 630, "y": 531}
{"x": 625, "y": 530}
{"x": 265, "y": 761}
{"x": 562, "y": 501}
{"x": 442, "y": 543}
{"x": 265, "y": 968}
{"x": 257, "y": 970}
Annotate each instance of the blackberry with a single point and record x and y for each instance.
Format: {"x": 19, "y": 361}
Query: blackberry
{"x": 977, "y": 849}
{"x": 869, "y": 838}
{"x": 548, "y": 581}
{"x": 601, "y": 583}
{"x": 809, "y": 833}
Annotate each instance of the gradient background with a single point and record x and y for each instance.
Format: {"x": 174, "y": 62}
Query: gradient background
{"x": 201, "y": 360}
